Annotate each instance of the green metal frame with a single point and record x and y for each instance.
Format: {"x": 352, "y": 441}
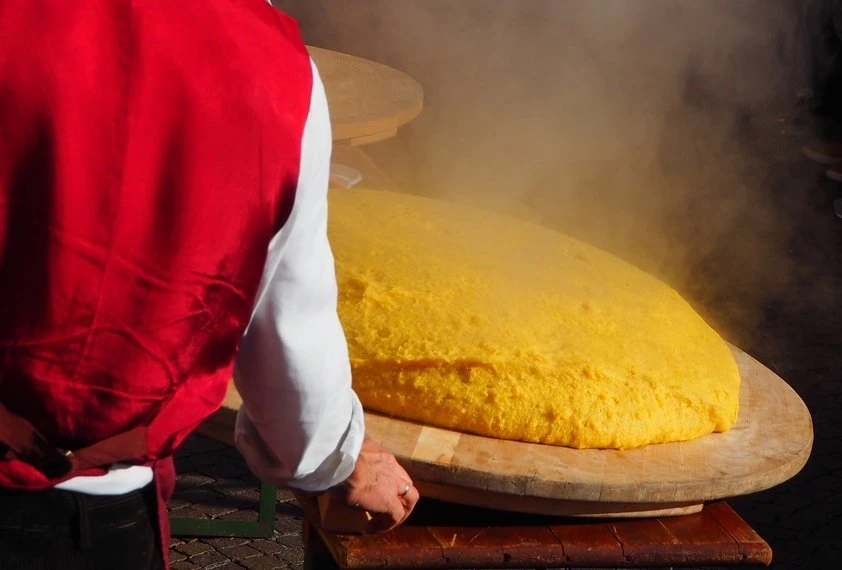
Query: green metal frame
{"x": 263, "y": 527}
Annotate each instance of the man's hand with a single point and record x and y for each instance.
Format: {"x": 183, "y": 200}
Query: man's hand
{"x": 380, "y": 486}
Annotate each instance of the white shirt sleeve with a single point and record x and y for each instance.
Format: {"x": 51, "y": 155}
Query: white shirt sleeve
{"x": 301, "y": 425}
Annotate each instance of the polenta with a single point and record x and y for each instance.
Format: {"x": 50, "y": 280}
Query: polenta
{"x": 460, "y": 318}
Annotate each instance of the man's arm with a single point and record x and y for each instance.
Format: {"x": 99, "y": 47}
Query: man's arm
{"x": 301, "y": 424}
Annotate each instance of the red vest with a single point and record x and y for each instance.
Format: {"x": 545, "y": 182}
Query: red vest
{"x": 149, "y": 151}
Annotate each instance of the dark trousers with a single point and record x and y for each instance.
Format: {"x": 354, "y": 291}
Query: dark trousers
{"x": 55, "y": 529}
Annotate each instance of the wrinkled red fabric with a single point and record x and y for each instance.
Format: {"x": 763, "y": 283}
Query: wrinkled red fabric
{"x": 149, "y": 151}
{"x": 164, "y": 479}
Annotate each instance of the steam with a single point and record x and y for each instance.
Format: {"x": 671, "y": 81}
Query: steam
{"x": 625, "y": 123}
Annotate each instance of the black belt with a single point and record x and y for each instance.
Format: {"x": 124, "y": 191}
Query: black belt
{"x": 20, "y": 440}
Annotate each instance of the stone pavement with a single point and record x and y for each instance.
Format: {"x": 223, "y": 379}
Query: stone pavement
{"x": 214, "y": 482}
{"x": 796, "y": 332}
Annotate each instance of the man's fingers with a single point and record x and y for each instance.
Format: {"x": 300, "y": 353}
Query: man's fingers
{"x": 409, "y": 501}
{"x": 381, "y": 522}
{"x": 396, "y": 515}
{"x": 411, "y": 498}
{"x": 381, "y": 486}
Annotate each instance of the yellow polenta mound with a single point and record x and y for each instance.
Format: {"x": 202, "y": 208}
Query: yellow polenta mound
{"x": 463, "y": 319}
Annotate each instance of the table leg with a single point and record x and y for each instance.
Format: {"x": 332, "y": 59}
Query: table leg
{"x": 262, "y": 528}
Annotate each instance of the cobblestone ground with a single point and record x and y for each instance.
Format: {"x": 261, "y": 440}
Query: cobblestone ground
{"x": 214, "y": 482}
{"x": 796, "y": 333}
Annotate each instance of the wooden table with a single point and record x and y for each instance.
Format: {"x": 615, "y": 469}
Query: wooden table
{"x": 368, "y": 101}
{"x": 442, "y": 535}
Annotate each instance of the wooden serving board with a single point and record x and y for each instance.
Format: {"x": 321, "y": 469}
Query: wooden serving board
{"x": 770, "y": 443}
{"x": 368, "y": 101}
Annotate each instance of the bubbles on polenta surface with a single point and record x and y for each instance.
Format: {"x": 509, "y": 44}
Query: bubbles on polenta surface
{"x": 468, "y": 320}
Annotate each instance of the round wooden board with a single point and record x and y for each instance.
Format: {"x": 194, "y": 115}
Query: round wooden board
{"x": 368, "y": 101}
{"x": 770, "y": 443}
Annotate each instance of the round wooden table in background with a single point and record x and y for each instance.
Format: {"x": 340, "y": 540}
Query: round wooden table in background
{"x": 368, "y": 101}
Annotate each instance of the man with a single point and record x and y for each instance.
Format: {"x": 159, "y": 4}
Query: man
{"x": 163, "y": 174}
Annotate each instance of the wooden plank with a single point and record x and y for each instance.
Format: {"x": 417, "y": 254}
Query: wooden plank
{"x": 349, "y": 550}
{"x": 515, "y": 547}
{"x": 352, "y": 551}
{"x": 556, "y": 507}
{"x": 528, "y": 546}
{"x": 467, "y": 546}
{"x": 336, "y": 516}
{"x": 752, "y": 547}
{"x": 405, "y": 547}
{"x": 312, "y": 525}
{"x": 646, "y": 542}
{"x": 589, "y": 544}
{"x": 700, "y": 538}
